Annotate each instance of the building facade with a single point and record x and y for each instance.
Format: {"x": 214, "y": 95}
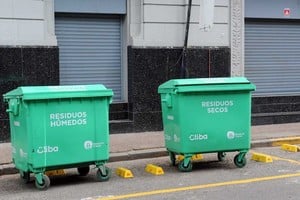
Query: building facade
{"x": 133, "y": 46}
{"x": 272, "y": 40}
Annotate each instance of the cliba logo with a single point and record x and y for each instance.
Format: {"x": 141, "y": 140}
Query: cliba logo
{"x": 88, "y": 145}
{"x": 198, "y": 136}
{"x": 235, "y": 135}
{"x": 230, "y": 135}
{"x": 47, "y": 149}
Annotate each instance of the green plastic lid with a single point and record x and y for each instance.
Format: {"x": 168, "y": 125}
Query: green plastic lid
{"x": 199, "y": 84}
{"x": 52, "y": 92}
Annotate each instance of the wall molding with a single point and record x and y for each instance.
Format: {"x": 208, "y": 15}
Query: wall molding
{"x": 237, "y": 37}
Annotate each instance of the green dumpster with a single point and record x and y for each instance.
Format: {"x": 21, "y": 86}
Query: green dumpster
{"x": 206, "y": 115}
{"x": 57, "y": 127}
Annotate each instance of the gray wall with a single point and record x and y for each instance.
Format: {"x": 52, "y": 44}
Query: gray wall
{"x": 272, "y": 9}
{"x": 156, "y": 23}
{"x": 27, "y": 22}
{"x": 91, "y": 6}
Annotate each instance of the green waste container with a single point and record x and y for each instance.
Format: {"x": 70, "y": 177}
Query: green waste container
{"x": 206, "y": 115}
{"x": 57, "y": 127}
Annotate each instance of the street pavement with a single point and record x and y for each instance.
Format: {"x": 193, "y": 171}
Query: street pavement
{"x": 130, "y": 146}
{"x": 209, "y": 179}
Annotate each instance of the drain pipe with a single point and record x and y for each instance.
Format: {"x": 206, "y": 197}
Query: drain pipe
{"x": 187, "y": 27}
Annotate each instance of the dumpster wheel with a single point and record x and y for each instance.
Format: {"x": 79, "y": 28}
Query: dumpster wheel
{"x": 83, "y": 171}
{"x": 172, "y": 158}
{"x": 45, "y": 183}
{"x": 240, "y": 160}
{"x": 25, "y": 176}
{"x": 103, "y": 173}
{"x": 221, "y": 156}
{"x": 185, "y": 165}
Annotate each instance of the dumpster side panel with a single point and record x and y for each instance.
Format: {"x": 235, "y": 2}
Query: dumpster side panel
{"x": 208, "y": 122}
{"x": 171, "y": 123}
{"x": 69, "y": 131}
{"x": 215, "y": 122}
{"x": 19, "y": 135}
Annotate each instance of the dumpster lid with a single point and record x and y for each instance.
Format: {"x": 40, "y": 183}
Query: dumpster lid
{"x": 53, "y": 92}
{"x": 175, "y": 83}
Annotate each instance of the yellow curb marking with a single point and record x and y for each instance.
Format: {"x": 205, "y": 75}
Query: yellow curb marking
{"x": 154, "y": 169}
{"x": 197, "y": 187}
{"x": 195, "y": 157}
{"x": 180, "y": 157}
{"x": 289, "y": 140}
{"x": 290, "y": 147}
{"x": 282, "y": 159}
{"x": 58, "y": 172}
{"x": 259, "y": 157}
{"x": 124, "y": 172}
{"x": 288, "y": 160}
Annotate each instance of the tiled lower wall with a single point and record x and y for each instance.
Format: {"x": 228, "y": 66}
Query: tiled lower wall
{"x": 150, "y": 67}
{"x": 23, "y": 66}
{"x": 275, "y": 110}
{"x": 147, "y": 69}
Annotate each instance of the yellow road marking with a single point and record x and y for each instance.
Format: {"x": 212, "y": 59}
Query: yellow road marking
{"x": 196, "y": 187}
{"x": 288, "y": 140}
{"x": 290, "y": 147}
{"x": 283, "y": 159}
{"x": 288, "y": 160}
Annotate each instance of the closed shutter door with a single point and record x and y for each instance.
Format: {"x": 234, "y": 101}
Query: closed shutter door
{"x": 90, "y": 51}
{"x": 272, "y": 57}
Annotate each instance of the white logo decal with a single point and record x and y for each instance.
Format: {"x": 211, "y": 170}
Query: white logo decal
{"x": 68, "y": 119}
{"x": 233, "y": 135}
{"x": 168, "y": 137}
{"x": 13, "y": 150}
{"x": 23, "y": 154}
{"x": 68, "y": 88}
{"x": 198, "y": 137}
{"x": 170, "y": 117}
{"x": 16, "y": 123}
{"x": 47, "y": 149}
{"x": 230, "y": 135}
{"x": 215, "y": 107}
{"x": 90, "y": 144}
{"x": 176, "y": 138}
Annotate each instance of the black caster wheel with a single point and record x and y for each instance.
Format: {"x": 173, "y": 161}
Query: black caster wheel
{"x": 45, "y": 185}
{"x": 187, "y": 168}
{"x": 240, "y": 162}
{"x": 103, "y": 176}
{"x": 83, "y": 171}
{"x": 221, "y": 156}
{"x": 25, "y": 176}
{"x": 172, "y": 158}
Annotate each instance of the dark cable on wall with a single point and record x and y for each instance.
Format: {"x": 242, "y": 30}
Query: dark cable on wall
{"x": 187, "y": 27}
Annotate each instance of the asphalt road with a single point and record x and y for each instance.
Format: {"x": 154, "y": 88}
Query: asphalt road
{"x": 209, "y": 179}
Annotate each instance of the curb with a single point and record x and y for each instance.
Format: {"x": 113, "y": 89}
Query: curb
{"x": 9, "y": 168}
{"x": 275, "y": 142}
{"x": 138, "y": 154}
{"x": 6, "y": 169}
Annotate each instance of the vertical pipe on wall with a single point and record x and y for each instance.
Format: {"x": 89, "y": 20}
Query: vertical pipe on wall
{"x": 187, "y": 27}
{"x": 237, "y": 37}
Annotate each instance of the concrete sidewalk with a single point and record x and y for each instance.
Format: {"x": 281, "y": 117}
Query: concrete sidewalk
{"x": 131, "y": 146}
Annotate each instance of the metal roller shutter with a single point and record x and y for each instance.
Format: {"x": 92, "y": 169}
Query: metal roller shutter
{"x": 90, "y": 51}
{"x": 272, "y": 57}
